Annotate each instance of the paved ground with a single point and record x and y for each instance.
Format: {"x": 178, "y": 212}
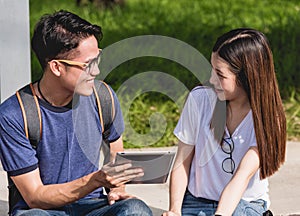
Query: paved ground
{"x": 284, "y": 188}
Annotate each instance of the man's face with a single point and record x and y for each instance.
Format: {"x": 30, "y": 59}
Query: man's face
{"x": 81, "y": 79}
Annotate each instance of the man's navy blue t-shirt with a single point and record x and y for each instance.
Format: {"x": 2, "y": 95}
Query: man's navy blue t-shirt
{"x": 70, "y": 143}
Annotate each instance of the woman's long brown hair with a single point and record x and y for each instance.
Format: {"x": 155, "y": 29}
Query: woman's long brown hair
{"x": 248, "y": 53}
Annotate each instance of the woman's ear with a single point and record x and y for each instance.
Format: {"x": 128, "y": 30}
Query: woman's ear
{"x": 55, "y": 67}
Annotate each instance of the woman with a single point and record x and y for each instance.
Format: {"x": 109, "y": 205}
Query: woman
{"x": 225, "y": 173}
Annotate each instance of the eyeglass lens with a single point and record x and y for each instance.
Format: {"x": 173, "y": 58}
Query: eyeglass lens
{"x": 94, "y": 64}
{"x": 227, "y": 145}
{"x": 228, "y": 165}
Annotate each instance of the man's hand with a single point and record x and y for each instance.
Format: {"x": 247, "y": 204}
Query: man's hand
{"x": 118, "y": 194}
{"x": 115, "y": 175}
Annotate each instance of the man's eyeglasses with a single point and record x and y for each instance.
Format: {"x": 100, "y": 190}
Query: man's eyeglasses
{"x": 228, "y": 164}
{"x": 87, "y": 67}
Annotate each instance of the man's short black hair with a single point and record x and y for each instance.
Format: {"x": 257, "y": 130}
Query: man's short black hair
{"x": 58, "y": 33}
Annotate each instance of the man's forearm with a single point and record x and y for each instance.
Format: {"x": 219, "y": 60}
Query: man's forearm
{"x": 52, "y": 196}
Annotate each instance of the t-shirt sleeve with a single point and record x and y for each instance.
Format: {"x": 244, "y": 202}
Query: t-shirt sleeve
{"x": 16, "y": 153}
{"x": 185, "y": 129}
{"x": 117, "y": 128}
{"x": 196, "y": 115}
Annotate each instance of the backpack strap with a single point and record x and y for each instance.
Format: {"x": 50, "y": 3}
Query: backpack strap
{"x": 31, "y": 114}
{"x": 106, "y": 106}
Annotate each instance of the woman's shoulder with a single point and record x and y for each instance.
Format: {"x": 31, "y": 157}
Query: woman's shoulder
{"x": 202, "y": 90}
{"x": 203, "y": 93}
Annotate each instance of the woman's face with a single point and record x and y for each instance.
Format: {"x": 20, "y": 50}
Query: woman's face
{"x": 223, "y": 80}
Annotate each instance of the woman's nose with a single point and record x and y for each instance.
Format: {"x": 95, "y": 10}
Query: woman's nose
{"x": 213, "y": 78}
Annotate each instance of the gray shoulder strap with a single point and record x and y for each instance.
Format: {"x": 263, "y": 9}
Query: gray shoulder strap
{"x": 31, "y": 114}
{"x": 106, "y": 106}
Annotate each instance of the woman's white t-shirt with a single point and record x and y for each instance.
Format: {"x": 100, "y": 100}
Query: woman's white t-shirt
{"x": 207, "y": 178}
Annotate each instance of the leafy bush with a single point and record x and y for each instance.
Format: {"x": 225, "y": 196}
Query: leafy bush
{"x": 148, "y": 122}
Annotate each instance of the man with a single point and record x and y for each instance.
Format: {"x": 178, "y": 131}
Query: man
{"x": 59, "y": 177}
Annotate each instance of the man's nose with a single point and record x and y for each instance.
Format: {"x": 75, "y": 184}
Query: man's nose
{"x": 95, "y": 70}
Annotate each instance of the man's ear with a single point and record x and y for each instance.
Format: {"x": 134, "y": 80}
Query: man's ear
{"x": 55, "y": 67}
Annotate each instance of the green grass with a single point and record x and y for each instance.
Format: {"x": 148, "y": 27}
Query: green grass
{"x": 197, "y": 23}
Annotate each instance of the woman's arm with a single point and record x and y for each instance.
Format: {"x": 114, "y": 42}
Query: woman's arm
{"x": 235, "y": 189}
{"x": 179, "y": 177}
